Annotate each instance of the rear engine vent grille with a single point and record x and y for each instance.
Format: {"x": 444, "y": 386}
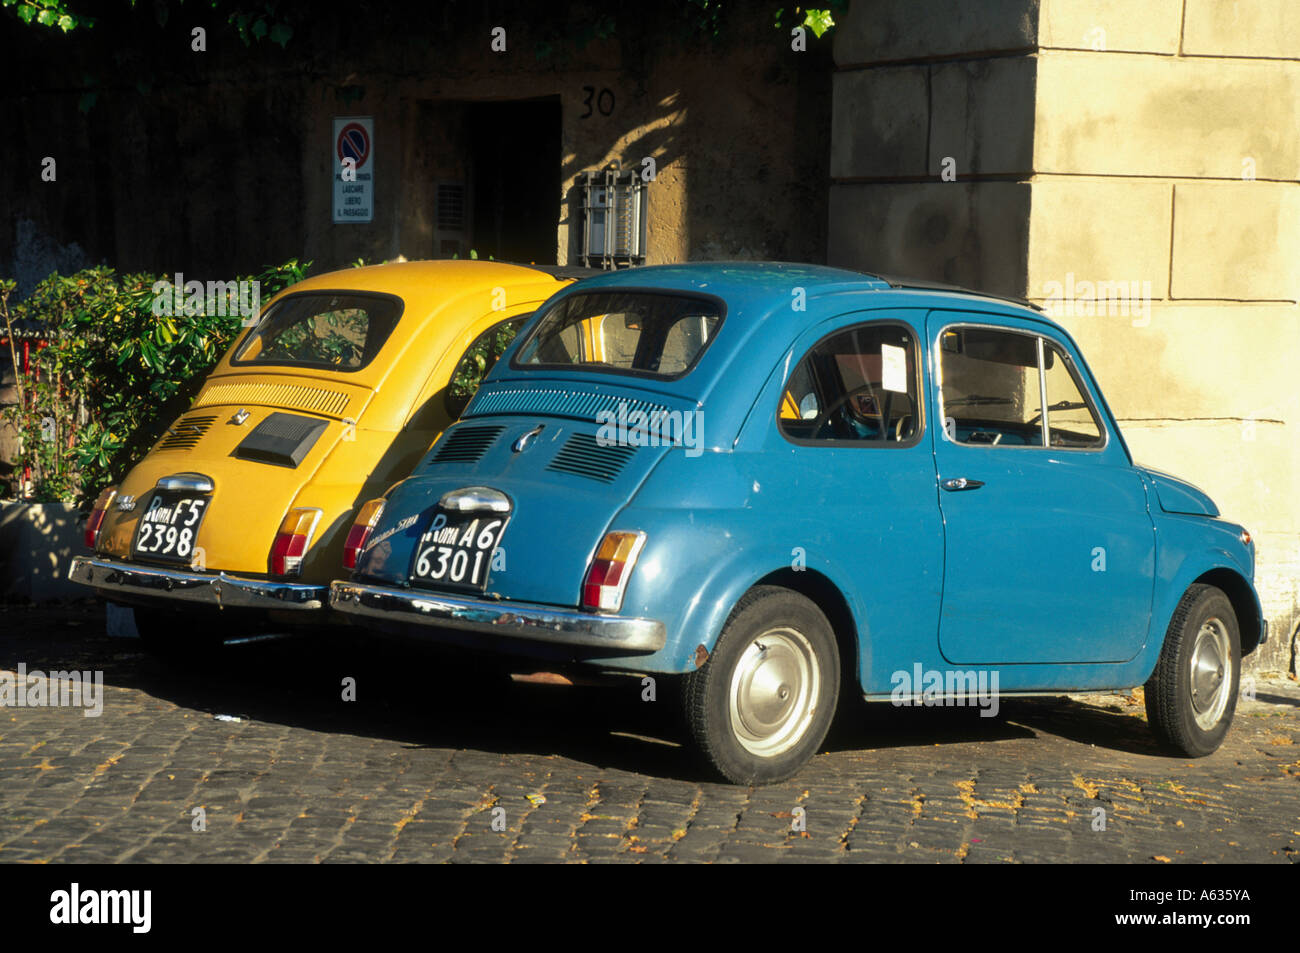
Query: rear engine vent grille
{"x": 466, "y": 444}
{"x": 583, "y": 456}
{"x": 185, "y": 434}
{"x": 295, "y": 396}
{"x": 281, "y": 440}
{"x": 586, "y": 405}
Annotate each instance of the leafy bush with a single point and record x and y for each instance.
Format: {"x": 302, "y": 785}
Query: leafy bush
{"x": 113, "y": 375}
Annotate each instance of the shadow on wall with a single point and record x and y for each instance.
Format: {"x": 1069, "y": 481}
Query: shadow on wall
{"x": 757, "y": 187}
{"x": 37, "y": 542}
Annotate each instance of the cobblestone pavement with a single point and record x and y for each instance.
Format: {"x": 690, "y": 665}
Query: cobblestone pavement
{"x": 425, "y": 763}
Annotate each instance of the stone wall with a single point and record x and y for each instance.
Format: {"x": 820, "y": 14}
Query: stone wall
{"x": 217, "y": 163}
{"x": 920, "y": 88}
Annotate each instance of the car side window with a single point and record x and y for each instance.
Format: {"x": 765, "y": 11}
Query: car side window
{"x": 991, "y": 391}
{"x": 859, "y": 385}
{"x": 989, "y": 387}
{"x": 1071, "y": 421}
{"x": 477, "y": 361}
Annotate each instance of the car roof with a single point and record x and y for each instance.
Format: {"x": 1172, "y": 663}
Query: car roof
{"x": 735, "y": 277}
{"x": 416, "y": 278}
{"x": 748, "y": 284}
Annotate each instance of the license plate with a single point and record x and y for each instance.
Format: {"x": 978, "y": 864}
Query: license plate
{"x": 456, "y": 549}
{"x": 169, "y": 526}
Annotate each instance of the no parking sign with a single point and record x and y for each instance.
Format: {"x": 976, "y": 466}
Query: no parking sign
{"x": 352, "y": 155}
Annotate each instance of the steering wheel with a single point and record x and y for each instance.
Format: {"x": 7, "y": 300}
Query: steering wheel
{"x": 824, "y": 417}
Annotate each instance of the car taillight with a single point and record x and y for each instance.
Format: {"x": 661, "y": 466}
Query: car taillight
{"x": 292, "y": 540}
{"x": 367, "y": 519}
{"x": 96, "y": 519}
{"x": 610, "y": 570}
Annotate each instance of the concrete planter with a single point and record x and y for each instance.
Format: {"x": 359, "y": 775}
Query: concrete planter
{"x": 37, "y": 541}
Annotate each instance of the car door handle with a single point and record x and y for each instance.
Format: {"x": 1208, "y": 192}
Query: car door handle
{"x": 961, "y": 483}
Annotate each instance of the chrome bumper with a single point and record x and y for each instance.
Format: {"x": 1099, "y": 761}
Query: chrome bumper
{"x": 111, "y": 576}
{"x": 516, "y": 620}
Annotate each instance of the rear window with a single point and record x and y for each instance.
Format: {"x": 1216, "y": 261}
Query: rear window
{"x": 341, "y": 331}
{"x": 636, "y": 332}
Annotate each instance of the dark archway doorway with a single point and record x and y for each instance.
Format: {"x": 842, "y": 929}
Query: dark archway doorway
{"x": 514, "y": 172}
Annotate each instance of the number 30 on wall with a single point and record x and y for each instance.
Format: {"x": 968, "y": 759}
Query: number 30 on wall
{"x": 601, "y": 102}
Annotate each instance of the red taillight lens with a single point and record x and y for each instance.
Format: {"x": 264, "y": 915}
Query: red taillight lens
{"x": 96, "y": 519}
{"x": 292, "y": 540}
{"x": 610, "y": 570}
{"x": 367, "y": 519}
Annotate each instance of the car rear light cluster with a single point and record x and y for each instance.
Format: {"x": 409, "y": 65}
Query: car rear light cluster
{"x": 610, "y": 570}
{"x": 96, "y": 520}
{"x": 292, "y": 540}
{"x": 367, "y": 519}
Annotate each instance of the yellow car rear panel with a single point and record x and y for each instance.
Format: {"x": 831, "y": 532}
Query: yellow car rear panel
{"x": 379, "y": 419}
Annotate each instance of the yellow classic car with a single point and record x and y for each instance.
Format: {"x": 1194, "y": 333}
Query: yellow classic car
{"x": 245, "y": 503}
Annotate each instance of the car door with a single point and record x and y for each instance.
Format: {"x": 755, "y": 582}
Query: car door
{"x": 1049, "y": 548}
{"x": 851, "y": 463}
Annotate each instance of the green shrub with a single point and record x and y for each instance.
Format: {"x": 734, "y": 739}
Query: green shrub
{"x": 114, "y": 374}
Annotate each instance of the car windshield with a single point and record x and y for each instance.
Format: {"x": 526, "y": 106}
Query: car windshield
{"x": 337, "y": 330}
{"x": 646, "y": 333}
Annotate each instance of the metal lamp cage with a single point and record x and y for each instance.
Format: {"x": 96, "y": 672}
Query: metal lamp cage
{"x": 614, "y": 219}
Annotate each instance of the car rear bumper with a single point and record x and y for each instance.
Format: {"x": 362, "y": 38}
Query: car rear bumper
{"x": 115, "y": 577}
{"x": 514, "y": 620}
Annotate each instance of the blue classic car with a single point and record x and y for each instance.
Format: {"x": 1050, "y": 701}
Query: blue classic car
{"x": 784, "y": 483}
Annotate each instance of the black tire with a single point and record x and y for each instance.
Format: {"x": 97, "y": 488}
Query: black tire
{"x": 801, "y": 653}
{"x": 1190, "y": 715}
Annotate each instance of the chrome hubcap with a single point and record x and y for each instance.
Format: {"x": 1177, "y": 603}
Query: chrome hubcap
{"x": 1211, "y": 674}
{"x": 773, "y": 693}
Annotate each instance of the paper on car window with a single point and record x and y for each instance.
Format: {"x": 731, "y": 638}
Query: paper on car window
{"x": 893, "y": 368}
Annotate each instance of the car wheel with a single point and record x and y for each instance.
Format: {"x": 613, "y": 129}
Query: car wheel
{"x": 1192, "y": 694}
{"x": 760, "y": 707}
